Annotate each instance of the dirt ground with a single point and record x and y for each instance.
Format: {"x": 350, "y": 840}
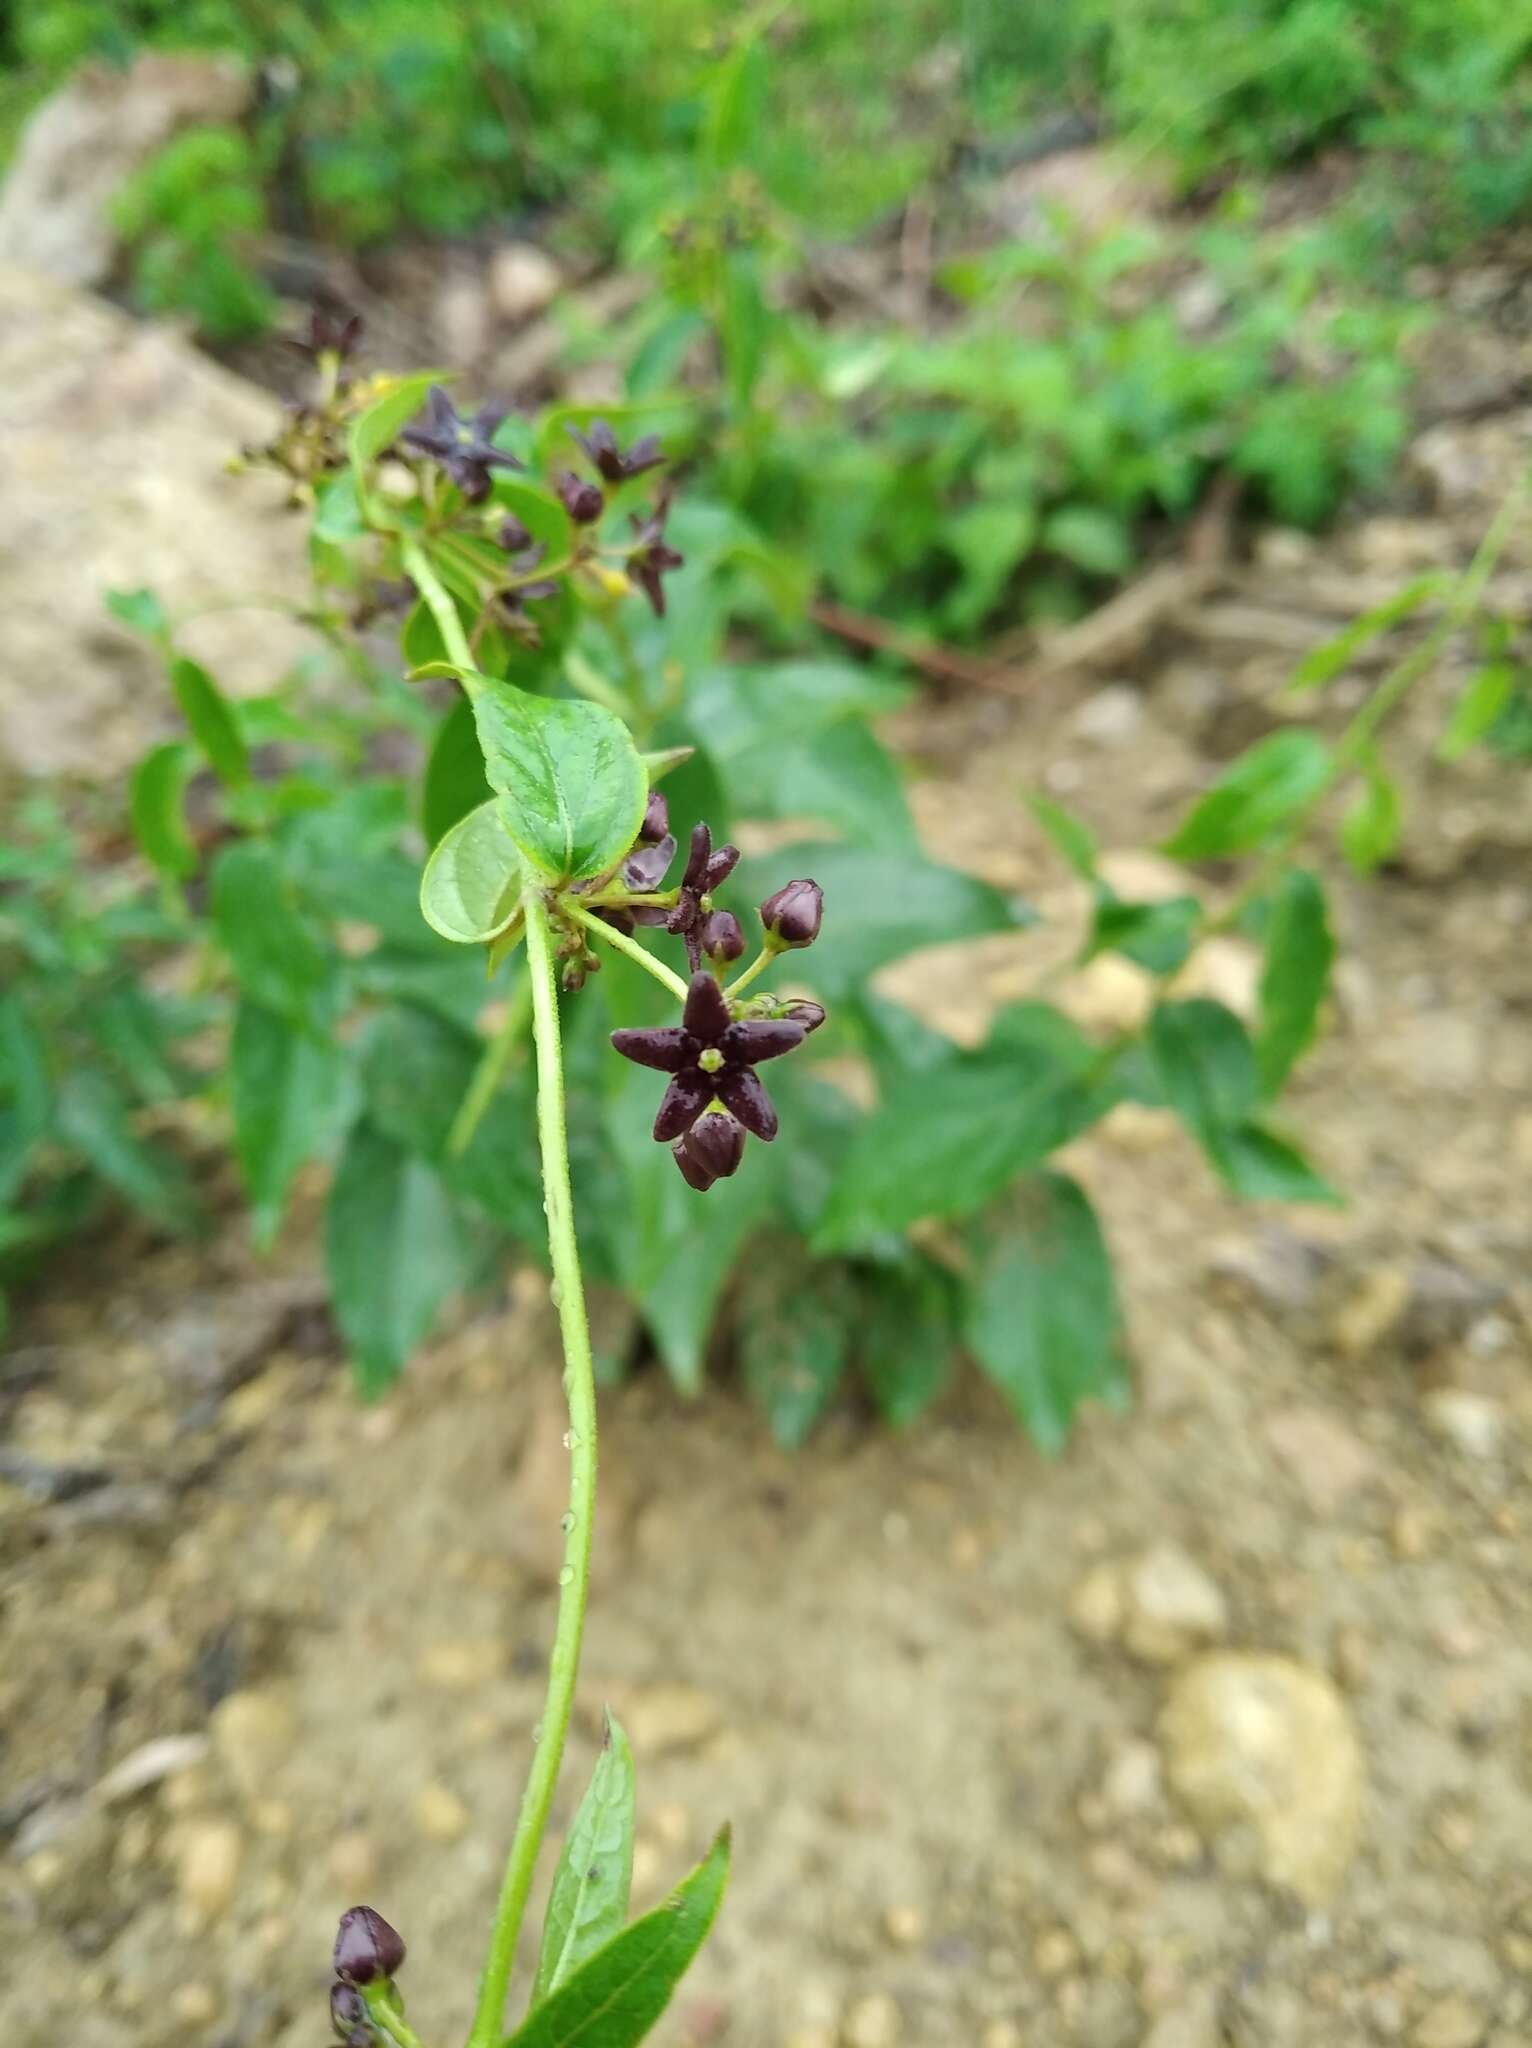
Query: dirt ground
{"x": 959, "y": 1704}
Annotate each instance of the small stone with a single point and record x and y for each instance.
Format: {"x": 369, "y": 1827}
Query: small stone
{"x": 208, "y": 1855}
{"x": 1173, "y": 1606}
{"x": 905, "y": 1926}
{"x": 1327, "y": 1461}
{"x": 1275, "y": 1269}
{"x": 460, "y": 1667}
{"x": 873, "y": 2022}
{"x": 523, "y": 281}
{"x": 1097, "y": 1608}
{"x": 1411, "y": 1533}
{"x": 1191, "y": 2023}
{"x": 253, "y": 1735}
{"x": 670, "y": 1718}
{"x": 1372, "y": 1311}
{"x": 1450, "y": 2023}
{"x": 440, "y": 1814}
{"x": 149, "y": 1764}
{"x": 1263, "y": 1753}
{"x": 1001, "y": 2034}
{"x": 1471, "y": 1423}
{"x": 1055, "y": 1953}
{"x": 671, "y": 1824}
{"x": 1108, "y": 994}
{"x": 1112, "y": 717}
{"x": 353, "y": 1862}
{"x": 194, "y": 2005}
{"x": 1228, "y": 971}
{"x": 1134, "y": 1782}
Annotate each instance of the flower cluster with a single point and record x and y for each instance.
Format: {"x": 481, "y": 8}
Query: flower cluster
{"x": 464, "y": 449}
{"x": 713, "y": 1097}
{"x": 367, "y": 1951}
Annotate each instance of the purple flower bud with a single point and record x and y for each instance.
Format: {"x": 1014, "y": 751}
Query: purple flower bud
{"x": 805, "y": 1012}
{"x": 366, "y": 1947}
{"x": 722, "y": 938}
{"x": 719, "y": 868}
{"x": 582, "y": 501}
{"x": 792, "y": 915}
{"x": 711, "y": 1150}
{"x": 513, "y": 536}
{"x": 656, "y": 819}
{"x": 348, "y": 2008}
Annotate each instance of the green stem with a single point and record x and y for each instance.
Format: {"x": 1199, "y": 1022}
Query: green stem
{"x": 621, "y": 943}
{"x": 442, "y": 609}
{"x": 757, "y": 967}
{"x": 580, "y": 1392}
{"x": 487, "y": 1076}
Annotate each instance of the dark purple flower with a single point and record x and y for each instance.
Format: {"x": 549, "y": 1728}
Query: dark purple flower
{"x": 803, "y": 1010}
{"x": 656, "y": 819}
{"x": 791, "y": 916}
{"x": 366, "y": 1947}
{"x": 584, "y": 502}
{"x": 513, "y": 536}
{"x": 652, "y": 556}
{"x": 711, "y": 1056}
{"x": 721, "y": 936}
{"x": 706, "y": 870}
{"x": 600, "y": 444}
{"x": 711, "y": 1150}
{"x": 334, "y": 330}
{"x": 465, "y": 449}
{"x": 348, "y": 2008}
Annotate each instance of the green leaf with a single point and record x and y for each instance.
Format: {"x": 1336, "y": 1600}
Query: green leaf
{"x": 277, "y": 959}
{"x": 658, "y": 359}
{"x": 1261, "y": 1167}
{"x": 1155, "y": 936}
{"x": 572, "y": 788}
{"x": 471, "y": 888}
{"x": 454, "y": 782}
{"x": 384, "y": 420}
{"x": 157, "y": 806}
{"x": 1369, "y": 830}
{"x": 1299, "y": 950}
{"x": 1041, "y": 1314}
{"x": 141, "y": 612}
{"x": 26, "y": 1093}
{"x": 394, "y": 1248}
{"x": 95, "y": 1120}
{"x": 906, "y": 1331}
{"x": 338, "y": 516}
{"x": 1069, "y": 835}
{"x": 289, "y": 1098}
{"x": 745, "y": 326}
{"x": 744, "y": 711}
{"x": 1206, "y": 1065}
{"x": 879, "y": 906}
{"x": 990, "y": 539}
{"x": 795, "y": 1336}
{"x": 946, "y": 1140}
{"x": 842, "y": 779}
{"x": 1092, "y": 539}
{"x": 1477, "y": 710}
{"x": 207, "y": 712}
{"x": 589, "y": 1900}
{"x": 618, "y": 1993}
{"x": 1325, "y": 662}
{"x": 734, "y": 102}
{"x": 1265, "y": 789}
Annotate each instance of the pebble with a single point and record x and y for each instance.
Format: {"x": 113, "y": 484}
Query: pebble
{"x": 354, "y": 1861}
{"x": 905, "y": 1926}
{"x": 208, "y": 1854}
{"x": 670, "y": 1718}
{"x": 1056, "y": 1952}
{"x": 1191, "y": 2023}
{"x": 440, "y": 1814}
{"x": 1471, "y": 1423}
{"x": 873, "y": 2022}
{"x": 523, "y": 280}
{"x": 194, "y": 2005}
{"x": 1112, "y": 717}
{"x": 1096, "y": 1606}
{"x": 1371, "y": 1312}
{"x": 1450, "y": 2023}
{"x": 460, "y": 1666}
{"x": 1227, "y": 971}
{"x": 1173, "y": 1607}
{"x": 1262, "y": 1751}
{"x": 1134, "y": 1781}
{"x": 253, "y": 1734}
{"x": 1274, "y": 1268}
{"x": 1001, "y": 2034}
{"x": 149, "y": 1764}
{"x": 1108, "y": 994}
{"x": 1326, "y": 1460}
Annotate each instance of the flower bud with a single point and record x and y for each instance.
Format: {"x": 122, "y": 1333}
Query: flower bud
{"x": 792, "y": 915}
{"x": 722, "y": 937}
{"x": 348, "y": 2008}
{"x": 366, "y": 1947}
{"x": 711, "y": 1150}
{"x": 805, "y": 1012}
{"x": 656, "y": 819}
{"x": 513, "y": 536}
{"x": 583, "y": 502}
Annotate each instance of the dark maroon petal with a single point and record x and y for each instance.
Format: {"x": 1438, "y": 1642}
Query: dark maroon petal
{"x": 649, "y": 913}
{"x": 742, "y": 1093}
{"x": 761, "y": 1038}
{"x": 348, "y": 2008}
{"x": 693, "y": 1171}
{"x": 582, "y": 501}
{"x": 656, "y": 825}
{"x": 661, "y": 1046}
{"x": 366, "y": 1947}
{"x": 720, "y": 867}
{"x": 807, "y": 1013}
{"x": 717, "y": 1143}
{"x": 697, "y": 858}
{"x": 722, "y": 938}
{"x": 644, "y": 454}
{"x": 647, "y": 867}
{"x": 647, "y": 579}
{"x": 706, "y": 1015}
{"x": 683, "y": 1102}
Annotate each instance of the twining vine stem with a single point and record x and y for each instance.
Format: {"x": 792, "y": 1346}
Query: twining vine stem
{"x": 580, "y": 1396}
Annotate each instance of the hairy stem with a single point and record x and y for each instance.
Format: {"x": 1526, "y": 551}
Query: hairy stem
{"x": 621, "y": 943}
{"x": 580, "y": 1392}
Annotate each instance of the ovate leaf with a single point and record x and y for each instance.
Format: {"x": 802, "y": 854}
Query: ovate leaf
{"x": 1041, "y": 1311}
{"x": 395, "y": 1250}
{"x": 1478, "y": 709}
{"x": 1256, "y": 795}
{"x": 906, "y": 1330}
{"x": 207, "y": 712}
{"x": 454, "y": 783}
{"x": 795, "y": 1334}
{"x": 572, "y": 788}
{"x": 618, "y": 1993}
{"x": 1070, "y": 835}
{"x": 140, "y": 611}
{"x": 1369, "y": 831}
{"x": 276, "y": 955}
{"x": 589, "y": 1900}
{"x": 94, "y": 1118}
{"x": 381, "y": 424}
{"x": 1323, "y": 663}
{"x": 157, "y": 805}
{"x": 1299, "y": 950}
{"x": 471, "y": 888}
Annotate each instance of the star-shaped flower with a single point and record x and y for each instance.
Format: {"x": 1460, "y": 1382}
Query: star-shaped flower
{"x": 711, "y": 1056}
{"x": 653, "y": 557}
{"x": 600, "y": 445}
{"x": 705, "y": 871}
{"x": 465, "y": 449}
